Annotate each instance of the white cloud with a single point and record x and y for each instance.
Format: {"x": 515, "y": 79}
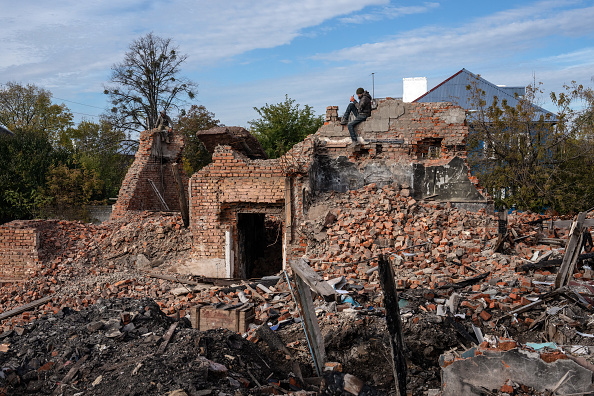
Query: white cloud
{"x": 390, "y": 12}
{"x": 499, "y": 35}
{"x": 584, "y": 56}
{"x": 37, "y": 31}
{"x": 69, "y": 46}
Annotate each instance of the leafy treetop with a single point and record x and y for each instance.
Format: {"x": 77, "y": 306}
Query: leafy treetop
{"x": 282, "y": 125}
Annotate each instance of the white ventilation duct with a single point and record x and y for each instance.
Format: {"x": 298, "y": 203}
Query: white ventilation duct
{"x": 413, "y": 87}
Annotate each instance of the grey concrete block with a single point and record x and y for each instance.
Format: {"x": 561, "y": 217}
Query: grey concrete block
{"x": 374, "y": 124}
{"x": 492, "y": 369}
{"x": 453, "y": 116}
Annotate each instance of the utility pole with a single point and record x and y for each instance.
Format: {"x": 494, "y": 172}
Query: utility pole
{"x": 373, "y": 85}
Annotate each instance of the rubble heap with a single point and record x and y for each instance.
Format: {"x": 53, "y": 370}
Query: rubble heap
{"x": 454, "y": 288}
{"x": 117, "y": 346}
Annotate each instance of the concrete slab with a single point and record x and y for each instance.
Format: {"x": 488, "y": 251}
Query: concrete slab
{"x": 493, "y": 369}
{"x": 453, "y": 116}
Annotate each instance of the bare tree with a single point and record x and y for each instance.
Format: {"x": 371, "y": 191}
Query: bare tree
{"x": 146, "y": 82}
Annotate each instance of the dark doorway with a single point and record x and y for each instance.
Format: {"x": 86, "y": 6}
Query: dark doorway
{"x": 260, "y": 244}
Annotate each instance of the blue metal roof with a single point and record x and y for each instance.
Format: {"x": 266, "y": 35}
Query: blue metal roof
{"x": 454, "y": 90}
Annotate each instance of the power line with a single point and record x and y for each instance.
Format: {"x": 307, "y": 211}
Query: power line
{"x": 90, "y": 115}
{"x": 82, "y": 104}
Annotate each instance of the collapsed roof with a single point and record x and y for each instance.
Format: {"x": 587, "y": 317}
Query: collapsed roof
{"x": 238, "y": 138}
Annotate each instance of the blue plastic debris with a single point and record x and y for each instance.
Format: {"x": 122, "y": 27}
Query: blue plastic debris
{"x": 540, "y": 345}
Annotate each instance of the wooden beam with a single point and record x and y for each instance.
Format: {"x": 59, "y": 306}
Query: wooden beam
{"x": 72, "y": 372}
{"x": 254, "y": 292}
{"x": 310, "y": 324}
{"x": 569, "y": 223}
{"x": 572, "y": 251}
{"x": 173, "y": 279}
{"x": 551, "y": 263}
{"x": 26, "y": 307}
{"x": 311, "y": 277}
{"x": 181, "y": 194}
{"x": 166, "y": 338}
{"x": 543, "y": 299}
{"x": 394, "y": 324}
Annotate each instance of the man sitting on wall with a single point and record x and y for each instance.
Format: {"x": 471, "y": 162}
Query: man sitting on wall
{"x": 360, "y": 110}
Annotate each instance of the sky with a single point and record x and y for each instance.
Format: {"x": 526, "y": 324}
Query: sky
{"x": 247, "y": 54}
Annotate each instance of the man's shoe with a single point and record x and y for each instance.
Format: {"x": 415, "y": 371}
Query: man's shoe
{"x": 360, "y": 140}
{"x": 344, "y": 121}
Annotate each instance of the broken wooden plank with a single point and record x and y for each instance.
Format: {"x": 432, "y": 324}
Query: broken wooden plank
{"x": 569, "y": 223}
{"x": 551, "y": 241}
{"x": 394, "y": 323}
{"x": 466, "y": 282}
{"x": 25, "y": 307}
{"x": 578, "y": 299}
{"x": 572, "y": 251}
{"x": 166, "y": 338}
{"x": 543, "y": 298}
{"x": 461, "y": 329}
{"x": 310, "y": 324}
{"x": 72, "y": 372}
{"x": 500, "y": 241}
{"x": 273, "y": 340}
{"x": 552, "y": 263}
{"x": 252, "y": 290}
{"x": 172, "y": 279}
{"x": 181, "y": 194}
{"x": 311, "y": 277}
{"x": 264, "y": 289}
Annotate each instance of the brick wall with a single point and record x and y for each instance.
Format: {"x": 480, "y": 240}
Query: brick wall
{"x": 403, "y": 136}
{"x": 234, "y": 184}
{"x": 19, "y": 249}
{"x": 152, "y": 162}
{"x": 400, "y": 134}
{"x": 410, "y": 122}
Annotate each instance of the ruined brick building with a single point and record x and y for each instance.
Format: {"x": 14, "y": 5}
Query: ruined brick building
{"x": 237, "y": 200}
{"x": 245, "y": 211}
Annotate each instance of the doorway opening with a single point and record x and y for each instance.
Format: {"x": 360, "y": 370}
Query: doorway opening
{"x": 260, "y": 244}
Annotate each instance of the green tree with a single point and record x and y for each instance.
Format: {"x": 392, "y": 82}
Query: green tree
{"x": 282, "y": 125}
{"x": 29, "y": 109}
{"x": 70, "y": 189}
{"x": 102, "y": 150}
{"x": 26, "y": 159}
{"x": 195, "y": 155}
{"x": 576, "y": 156}
{"x": 145, "y": 82}
{"x": 525, "y": 157}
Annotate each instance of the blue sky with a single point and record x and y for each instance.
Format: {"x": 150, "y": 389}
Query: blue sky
{"x": 245, "y": 54}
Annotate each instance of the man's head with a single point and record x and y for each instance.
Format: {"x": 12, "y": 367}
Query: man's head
{"x": 360, "y": 92}
{"x": 163, "y": 112}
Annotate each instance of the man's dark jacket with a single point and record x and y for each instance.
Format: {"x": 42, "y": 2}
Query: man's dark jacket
{"x": 365, "y": 104}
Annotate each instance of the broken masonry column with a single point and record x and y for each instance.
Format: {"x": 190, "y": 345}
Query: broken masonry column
{"x": 153, "y": 165}
{"x": 331, "y": 114}
{"x": 394, "y": 323}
